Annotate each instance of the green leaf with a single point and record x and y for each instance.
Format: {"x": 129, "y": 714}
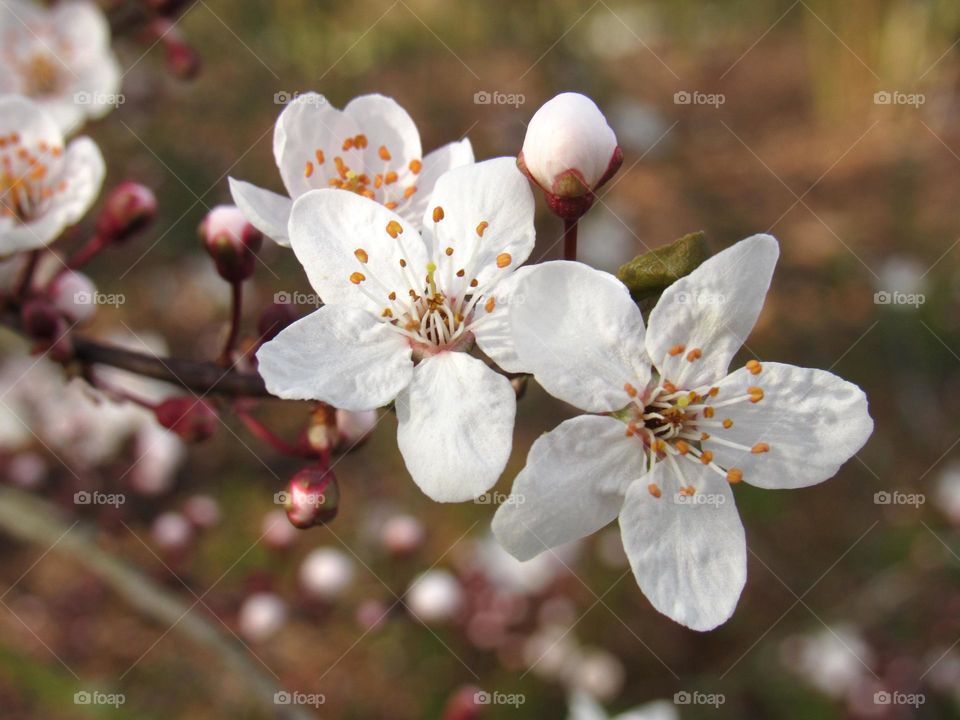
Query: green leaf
{"x": 649, "y": 274}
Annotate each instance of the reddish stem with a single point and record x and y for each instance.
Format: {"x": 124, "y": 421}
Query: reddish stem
{"x": 262, "y": 432}
{"x": 569, "y": 239}
{"x": 26, "y": 277}
{"x": 226, "y": 357}
{"x": 86, "y": 253}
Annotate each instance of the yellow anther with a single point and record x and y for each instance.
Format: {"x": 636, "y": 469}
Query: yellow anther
{"x": 676, "y": 350}
{"x": 308, "y": 170}
{"x": 437, "y": 214}
{"x": 504, "y": 259}
{"x": 727, "y": 423}
{"x": 320, "y": 157}
{"x": 754, "y": 367}
{"x": 384, "y": 153}
{"x": 734, "y": 475}
{"x": 394, "y": 228}
{"x": 481, "y": 227}
{"x": 682, "y": 447}
{"x": 760, "y": 448}
{"x": 490, "y": 304}
{"x": 694, "y": 354}
{"x": 361, "y": 255}
{"x": 390, "y": 177}
{"x": 755, "y": 393}
{"x": 654, "y": 490}
{"x": 357, "y": 278}
{"x": 706, "y": 457}
{"x": 708, "y": 412}
{"x": 630, "y": 390}
{"x": 448, "y": 252}
{"x": 410, "y": 191}
{"x": 415, "y": 166}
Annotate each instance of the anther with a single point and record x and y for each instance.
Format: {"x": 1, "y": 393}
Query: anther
{"x": 706, "y": 457}
{"x": 437, "y": 214}
{"x": 727, "y": 423}
{"x": 694, "y": 354}
{"x": 481, "y": 227}
{"x": 384, "y": 153}
{"x": 760, "y": 448}
{"x": 361, "y": 255}
{"x": 654, "y": 490}
{"x": 490, "y": 304}
{"x": 676, "y": 350}
{"x": 754, "y": 367}
{"x": 755, "y": 393}
{"x": 357, "y": 278}
{"x": 630, "y": 390}
{"x": 504, "y": 259}
{"x": 394, "y": 228}
{"x": 734, "y": 475}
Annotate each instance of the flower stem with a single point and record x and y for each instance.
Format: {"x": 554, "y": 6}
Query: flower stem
{"x": 570, "y": 239}
{"x": 226, "y": 357}
{"x": 86, "y": 253}
{"x": 26, "y": 277}
{"x": 262, "y": 432}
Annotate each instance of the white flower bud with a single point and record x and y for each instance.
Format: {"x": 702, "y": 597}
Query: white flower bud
{"x": 261, "y": 616}
{"x": 569, "y": 150}
{"x": 435, "y": 596}
{"x": 326, "y": 573}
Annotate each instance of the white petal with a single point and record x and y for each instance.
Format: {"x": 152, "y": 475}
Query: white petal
{"x": 387, "y": 125}
{"x": 340, "y": 355}
{"x": 572, "y": 485}
{"x": 494, "y": 192}
{"x": 580, "y": 334}
{"x": 83, "y": 170}
{"x": 450, "y": 156}
{"x": 583, "y": 707}
{"x": 689, "y": 558}
{"x": 309, "y": 124}
{"x": 712, "y": 309}
{"x": 17, "y": 237}
{"x": 81, "y": 26}
{"x": 27, "y": 119}
{"x": 456, "y": 426}
{"x": 812, "y": 421}
{"x": 494, "y": 335}
{"x": 326, "y": 229}
{"x": 267, "y": 211}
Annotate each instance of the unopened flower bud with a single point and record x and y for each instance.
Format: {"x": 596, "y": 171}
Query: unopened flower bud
{"x": 72, "y": 293}
{"x": 261, "y": 616}
{"x": 274, "y": 319}
{"x": 231, "y": 241}
{"x": 182, "y": 60}
{"x": 402, "y": 534}
{"x": 322, "y": 433}
{"x": 172, "y": 532}
{"x": 191, "y": 419}
{"x": 326, "y": 573}
{"x": 42, "y": 322}
{"x": 277, "y": 532}
{"x": 569, "y": 151}
{"x": 312, "y": 497}
{"x": 435, "y": 596}
{"x": 130, "y": 208}
{"x": 355, "y": 427}
{"x": 467, "y": 703}
{"x": 203, "y": 511}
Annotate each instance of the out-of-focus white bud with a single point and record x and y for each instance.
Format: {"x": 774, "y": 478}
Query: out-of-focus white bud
{"x": 355, "y": 427}
{"x": 599, "y": 673}
{"x": 27, "y": 470}
{"x": 402, "y": 534}
{"x": 277, "y": 531}
{"x": 946, "y": 493}
{"x": 172, "y": 531}
{"x": 202, "y": 510}
{"x": 73, "y": 294}
{"x": 569, "y": 149}
{"x": 435, "y": 596}
{"x": 261, "y": 616}
{"x": 371, "y": 614}
{"x": 326, "y": 573}
{"x": 231, "y": 241}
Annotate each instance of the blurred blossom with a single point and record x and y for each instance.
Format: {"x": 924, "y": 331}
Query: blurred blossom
{"x": 60, "y": 58}
{"x": 158, "y": 454}
{"x": 326, "y": 573}
{"x": 522, "y": 578}
{"x": 72, "y": 294}
{"x": 261, "y": 616}
{"x": 833, "y": 660}
{"x": 946, "y": 493}
{"x": 435, "y": 596}
{"x": 355, "y": 427}
{"x": 584, "y": 707}
{"x": 371, "y": 614}
{"x": 550, "y": 653}
{"x": 277, "y": 531}
{"x": 402, "y": 534}
{"x": 46, "y": 186}
{"x": 598, "y": 673}
{"x": 623, "y": 30}
{"x": 901, "y": 274}
{"x": 27, "y": 469}
{"x": 202, "y": 510}
{"x": 610, "y": 549}
{"x": 171, "y": 531}
{"x": 558, "y": 611}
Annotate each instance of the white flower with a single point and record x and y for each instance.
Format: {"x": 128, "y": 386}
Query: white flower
{"x": 569, "y": 149}
{"x": 434, "y": 596}
{"x": 43, "y": 188}
{"x": 261, "y": 616}
{"x": 61, "y": 58}
{"x": 327, "y": 573}
{"x": 675, "y": 430}
{"x": 401, "y": 310}
{"x": 584, "y": 707}
{"x": 371, "y": 147}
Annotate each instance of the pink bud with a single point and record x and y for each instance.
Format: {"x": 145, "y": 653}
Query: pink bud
{"x": 402, "y": 534}
{"x": 172, "y": 532}
{"x": 130, "y": 208}
{"x": 465, "y": 704}
{"x": 231, "y": 241}
{"x": 43, "y": 323}
{"x": 72, "y": 293}
{"x": 355, "y": 427}
{"x": 326, "y": 573}
{"x": 311, "y": 498}
{"x": 191, "y": 419}
{"x": 202, "y": 510}
{"x": 277, "y": 531}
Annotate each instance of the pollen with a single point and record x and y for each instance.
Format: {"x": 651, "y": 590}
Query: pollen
{"x": 654, "y": 490}
{"x": 347, "y": 144}
{"x": 676, "y": 350}
{"x": 708, "y": 412}
{"x": 694, "y": 354}
{"x": 630, "y": 390}
{"x": 682, "y": 447}
{"x": 755, "y": 393}
{"x": 688, "y": 491}
{"x": 320, "y": 157}
{"x": 754, "y": 367}
{"x": 734, "y": 475}
{"x": 390, "y": 205}
{"x": 461, "y": 272}
{"x": 760, "y": 448}
{"x": 357, "y": 277}
{"x": 384, "y": 153}
{"x": 704, "y": 436}
{"x": 403, "y": 263}
{"x": 360, "y": 141}
{"x": 392, "y": 296}
{"x": 308, "y": 170}
{"x": 410, "y": 191}
{"x": 727, "y": 423}
{"x": 474, "y": 283}
{"x": 415, "y": 166}
{"x": 361, "y": 255}
{"x": 390, "y": 177}
{"x": 387, "y": 312}
{"x": 504, "y": 259}
{"x": 669, "y": 387}
{"x": 491, "y": 303}
{"x": 481, "y": 227}
{"x": 437, "y": 214}
{"x": 706, "y": 457}
{"x": 394, "y": 229}
{"x": 448, "y": 252}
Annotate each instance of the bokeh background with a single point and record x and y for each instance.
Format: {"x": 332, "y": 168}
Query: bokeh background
{"x": 850, "y": 592}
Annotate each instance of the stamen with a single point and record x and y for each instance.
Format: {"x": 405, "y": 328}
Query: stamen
{"x": 361, "y": 255}
{"x": 415, "y": 166}
{"x": 384, "y": 153}
{"x": 357, "y": 277}
{"x": 754, "y": 367}
{"x": 490, "y": 304}
{"x": 394, "y": 229}
{"x": 481, "y": 227}
{"x": 503, "y": 260}
{"x": 734, "y": 475}
{"x": 437, "y": 214}
{"x": 727, "y": 423}
{"x": 755, "y": 393}
{"x": 654, "y": 490}
{"x": 760, "y": 448}
{"x": 676, "y": 350}
{"x": 694, "y": 354}
{"x": 308, "y": 170}
{"x": 630, "y": 390}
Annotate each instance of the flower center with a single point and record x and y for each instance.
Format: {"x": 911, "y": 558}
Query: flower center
{"x": 673, "y": 424}
{"x": 441, "y": 311}
{"x": 26, "y": 184}
{"x": 385, "y": 187}
{"x": 41, "y": 76}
